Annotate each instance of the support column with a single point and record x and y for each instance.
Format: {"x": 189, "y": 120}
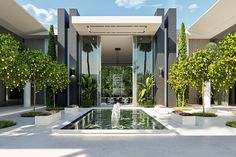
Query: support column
{"x": 27, "y": 95}
{"x": 62, "y": 54}
{"x": 72, "y": 61}
{"x": 159, "y": 64}
{"x": 207, "y": 94}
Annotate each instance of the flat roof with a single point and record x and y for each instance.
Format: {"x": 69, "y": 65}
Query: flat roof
{"x": 16, "y": 19}
{"x": 221, "y": 16}
{"x": 116, "y": 25}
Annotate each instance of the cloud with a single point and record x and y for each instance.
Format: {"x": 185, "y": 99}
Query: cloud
{"x": 45, "y": 16}
{"x": 130, "y": 3}
{"x": 192, "y": 7}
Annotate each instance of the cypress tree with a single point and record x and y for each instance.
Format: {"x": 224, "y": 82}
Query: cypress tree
{"x": 52, "y": 43}
{"x": 182, "y": 48}
{"x": 182, "y": 55}
{"x": 52, "y": 53}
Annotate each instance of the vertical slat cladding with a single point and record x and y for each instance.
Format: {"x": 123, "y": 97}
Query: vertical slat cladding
{"x": 194, "y": 45}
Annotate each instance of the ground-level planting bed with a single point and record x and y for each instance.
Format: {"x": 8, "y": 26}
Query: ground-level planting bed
{"x": 101, "y": 119}
{"x": 6, "y": 124}
{"x": 231, "y": 124}
{"x": 33, "y": 114}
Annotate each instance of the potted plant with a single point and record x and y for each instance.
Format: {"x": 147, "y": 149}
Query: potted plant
{"x": 184, "y": 118}
{"x": 47, "y": 118}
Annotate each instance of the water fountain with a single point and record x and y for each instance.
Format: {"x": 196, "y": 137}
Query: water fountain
{"x": 115, "y": 116}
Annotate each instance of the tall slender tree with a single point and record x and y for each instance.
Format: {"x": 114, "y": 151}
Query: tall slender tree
{"x": 89, "y": 45}
{"x": 182, "y": 55}
{"x": 52, "y": 53}
{"x": 57, "y": 78}
{"x": 52, "y": 43}
{"x": 145, "y": 46}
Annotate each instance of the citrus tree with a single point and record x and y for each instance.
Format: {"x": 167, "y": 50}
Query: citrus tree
{"x": 9, "y": 49}
{"x": 198, "y": 69}
{"x": 36, "y": 63}
{"x": 223, "y": 71}
{"x": 57, "y": 78}
{"x": 178, "y": 79}
{"x": 227, "y": 46}
{"x": 12, "y": 72}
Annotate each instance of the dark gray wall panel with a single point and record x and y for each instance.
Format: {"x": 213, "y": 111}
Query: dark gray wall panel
{"x": 73, "y": 59}
{"x": 159, "y": 61}
{"x": 170, "y": 24}
{"x": 62, "y": 26}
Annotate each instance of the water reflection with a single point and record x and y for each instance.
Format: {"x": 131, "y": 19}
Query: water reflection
{"x": 124, "y": 119}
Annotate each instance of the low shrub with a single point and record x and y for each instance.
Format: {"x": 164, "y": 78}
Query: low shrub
{"x": 33, "y": 114}
{"x": 6, "y": 124}
{"x": 183, "y": 108}
{"x": 147, "y": 104}
{"x": 182, "y": 113}
{"x": 204, "y": 114}
{"x": 231, "y": 124}
{"x": 49, "y": 108}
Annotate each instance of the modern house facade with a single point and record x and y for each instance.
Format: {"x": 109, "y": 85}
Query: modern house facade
{"x": 116, "y": 41}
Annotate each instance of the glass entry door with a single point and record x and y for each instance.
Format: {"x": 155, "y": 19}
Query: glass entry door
{"x": 90, "y": 71}
{"x": 142, "y": 62}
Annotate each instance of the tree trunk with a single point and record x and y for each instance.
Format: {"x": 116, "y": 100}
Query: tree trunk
{"x": 88, "y": 64}
{"x": 183, "y": 99}
{"x": 54, "y": 98}
{"x": 145, "y": 62}
{"x": 203, "y": 105}
{"x": 35, "y": 95}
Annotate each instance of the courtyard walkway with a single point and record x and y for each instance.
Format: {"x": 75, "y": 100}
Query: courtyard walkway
{"x": 26, "y": 139}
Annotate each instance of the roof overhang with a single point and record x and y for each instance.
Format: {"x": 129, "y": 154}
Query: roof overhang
{"x": 116, "y": 25}
{"x": 219, "y": 17}
{"x": 14, "y": 18}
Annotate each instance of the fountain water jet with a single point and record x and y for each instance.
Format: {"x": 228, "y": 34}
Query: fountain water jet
{"x": 115, "y": 116}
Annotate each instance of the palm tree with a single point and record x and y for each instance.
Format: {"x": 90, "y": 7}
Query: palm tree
{"x": 89, "y": 44}
{"x": 145, "y": 47}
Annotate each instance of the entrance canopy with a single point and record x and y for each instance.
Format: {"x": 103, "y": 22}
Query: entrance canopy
{"x": 17, "y": 20}
{"x": 217, "y": 19}
{"x": 116, "y": 25}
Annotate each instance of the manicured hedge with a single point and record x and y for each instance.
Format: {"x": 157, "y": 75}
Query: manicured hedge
{"x": 54, "y": 108}
{"x": 33, "y": 114}
{"x": 204, "y": 114}
{"x": 182, "y": 108}
{"x": 6, "y": 124}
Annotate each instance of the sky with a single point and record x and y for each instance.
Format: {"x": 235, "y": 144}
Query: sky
{"x": 188, "y": 11}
